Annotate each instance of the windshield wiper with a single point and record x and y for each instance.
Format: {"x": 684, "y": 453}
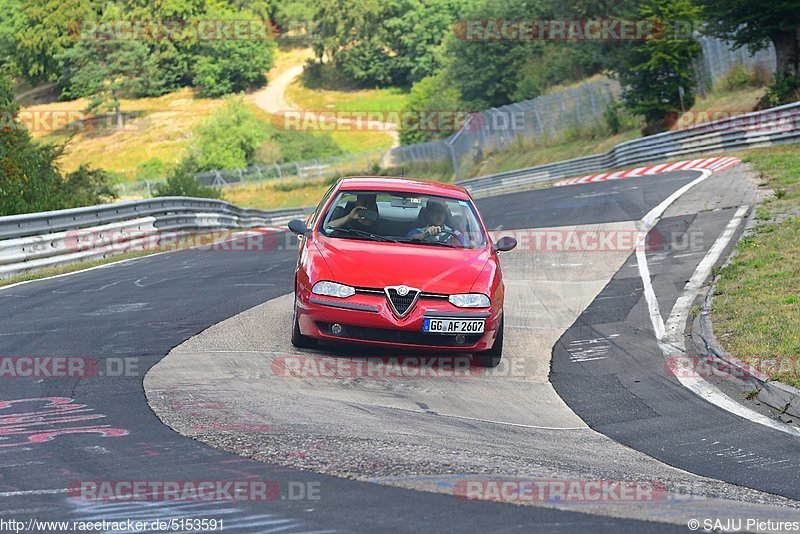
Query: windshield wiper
{"x": 368, "y": 235}
{"x": 439, "y": 243}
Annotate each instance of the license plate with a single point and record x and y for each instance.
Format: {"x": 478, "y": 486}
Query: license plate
{"x": 452, "y": 326}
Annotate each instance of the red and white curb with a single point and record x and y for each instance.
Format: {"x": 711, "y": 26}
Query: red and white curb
{"x": 712, "y": 164}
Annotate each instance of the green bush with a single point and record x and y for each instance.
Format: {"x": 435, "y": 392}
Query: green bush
{"x": 299, "y": 146}
{"x": 784, "y": 90}
{"x": 182, "y": 183}
{"x": 231, "y": 66}
{"x": 741, "y": 77}
{"x": 87, "y": 187}
{"x": 150, "y": 169}
{"x": 29, "y": 176}
{"x": 229, "y": 137}
{"x": 434, "y": 93}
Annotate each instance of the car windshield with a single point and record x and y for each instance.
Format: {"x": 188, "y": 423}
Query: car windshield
{"x": 403, "y": 218}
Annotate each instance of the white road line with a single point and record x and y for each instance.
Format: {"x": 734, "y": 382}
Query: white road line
{"x": 33, "y": 492}
{"x": 670, "y": 335}
{"x": 109, "y": 264}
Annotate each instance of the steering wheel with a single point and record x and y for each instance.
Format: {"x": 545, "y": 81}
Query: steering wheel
{"x": 444, "y": 236}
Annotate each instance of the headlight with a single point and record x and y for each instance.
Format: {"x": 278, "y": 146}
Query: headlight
{"x": 332, "y": 289}
{"x": 470, "y": 300}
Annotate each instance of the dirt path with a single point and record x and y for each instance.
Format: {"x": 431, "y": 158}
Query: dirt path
{"x": 272, "y": 99}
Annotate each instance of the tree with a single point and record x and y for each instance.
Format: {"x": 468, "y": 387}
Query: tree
{"x": 487, "y": 72}
{"x": 11, "y": 22}
{"x": 87, "y": 187}
{"x": 231, "y": 65}
{"x": 48, "y": 29}
{"x": 434, "y": 93}
{"x": 755, "y": 24}
{"x": 656, "y": 74}
{"x": 106, "y": 72}
{"x": 294, "y": 15}
{"x": 383, "y": 42}
{"x": 29, "y": 176}
{"x": 229, "y": 138}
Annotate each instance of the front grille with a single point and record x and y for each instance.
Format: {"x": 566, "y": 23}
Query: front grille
{"x": 402, "y": 304}
{"x": 408, "y": 337}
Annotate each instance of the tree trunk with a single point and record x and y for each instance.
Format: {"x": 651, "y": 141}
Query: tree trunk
{"x": 787, "y": 52}
{"x": 118, "y": 111}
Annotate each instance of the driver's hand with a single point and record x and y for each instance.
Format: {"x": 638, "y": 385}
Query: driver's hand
{"x": 354, "y": 214}
{"x": 433, "y": 230}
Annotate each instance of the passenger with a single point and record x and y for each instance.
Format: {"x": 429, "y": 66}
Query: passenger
{"x": 363, "y": 216}
{"x": 436, "y": 216}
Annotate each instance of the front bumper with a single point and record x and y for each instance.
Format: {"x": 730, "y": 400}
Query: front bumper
{"x": 366, "y": 318}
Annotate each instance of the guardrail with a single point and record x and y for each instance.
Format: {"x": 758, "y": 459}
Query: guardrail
{"x": 35, "y": 241}
{"x": 762, "y": 128}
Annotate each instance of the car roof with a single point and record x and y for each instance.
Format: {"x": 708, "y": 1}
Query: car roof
{"x": 405, "y": 185}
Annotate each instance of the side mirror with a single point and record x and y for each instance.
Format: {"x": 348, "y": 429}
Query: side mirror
{"x": 506, "y": 243}
{"x": 298, "y": 227}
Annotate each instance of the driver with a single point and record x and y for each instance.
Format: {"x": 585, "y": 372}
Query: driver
{"x": 435, "y": 216}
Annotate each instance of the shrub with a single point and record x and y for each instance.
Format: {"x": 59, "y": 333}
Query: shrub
{"x": 741, "y": 77}
{"x": 182, "y": 183}
{"x": 784, "y": 90}
{"x": 229, "y": 138}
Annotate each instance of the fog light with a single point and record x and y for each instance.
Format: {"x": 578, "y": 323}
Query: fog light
{"x": 460, "y": 339}
{"x": 336, "y": 328}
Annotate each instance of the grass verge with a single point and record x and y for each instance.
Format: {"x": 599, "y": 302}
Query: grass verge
{"x": 70, "y": 268}
{"x": 386, "y": 100}
{"x": 756, "y": 310}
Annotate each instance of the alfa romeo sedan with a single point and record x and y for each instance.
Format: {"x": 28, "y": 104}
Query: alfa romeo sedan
{"x": 399, "y": 263}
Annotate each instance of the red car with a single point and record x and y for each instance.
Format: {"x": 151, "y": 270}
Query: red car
{"x": 399, "y": 263}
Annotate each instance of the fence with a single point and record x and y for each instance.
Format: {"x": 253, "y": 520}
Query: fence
{"x": 718, "y": 58}
{"x": 305, "y": 170}
{"x": 35, "y": 241}
{"x": 543, "y": 117}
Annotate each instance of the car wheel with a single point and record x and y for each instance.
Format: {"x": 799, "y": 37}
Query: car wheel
{"x": 299, "y": 340}
{"x": 491, "y": 357}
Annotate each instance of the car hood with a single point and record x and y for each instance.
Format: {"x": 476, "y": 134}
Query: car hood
{"x": 427, "y": 267}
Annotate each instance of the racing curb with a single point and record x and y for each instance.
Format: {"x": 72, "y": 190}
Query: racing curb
{"x": 777, "y": 395}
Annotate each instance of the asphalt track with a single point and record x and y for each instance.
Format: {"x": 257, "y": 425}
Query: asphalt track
{"x": 142, "y": 309}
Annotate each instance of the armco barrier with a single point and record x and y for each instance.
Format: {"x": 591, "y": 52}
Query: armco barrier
{"x": 762, "y": 128}
{"x": 34, "y": 241}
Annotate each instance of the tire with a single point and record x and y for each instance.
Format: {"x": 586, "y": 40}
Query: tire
{"x": 299, "y": 340}
{"x": 492, "y": 357}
